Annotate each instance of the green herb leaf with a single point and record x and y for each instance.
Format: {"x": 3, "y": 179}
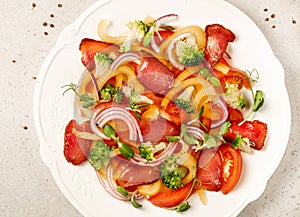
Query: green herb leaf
{"x": 205, "y": 72}
{"x": 134, "y": 203}
{"x": 190, "y": 139}
{"x": 258, "y": 100}
{"x": 224, "y": 128}
{"x": 88, "y": 104}
{"x": 184, "y": 206}
{"x": 201, "y": 111}
{"x": 173, "y": 138}
{"x": 87, "y": 100}
{"x": 237, "y": 142}
{"x": 108, "y": 131}
{"x": 183, "y": 130}
{"x": 126, "y": 151}
{"x": 147, "y": 39}
{"x": 70, "y": 86}
{"x": 122, "y": 191}
{"x": 210, "y": 142}
{"x": 214, "y": 80}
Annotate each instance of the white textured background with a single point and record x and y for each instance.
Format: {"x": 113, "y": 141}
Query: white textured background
{"x": 26, "y": 185}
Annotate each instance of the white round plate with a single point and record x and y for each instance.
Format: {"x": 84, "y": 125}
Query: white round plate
{"x": 250, "y": 50}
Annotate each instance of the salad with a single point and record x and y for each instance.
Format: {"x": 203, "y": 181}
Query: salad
{"x": 161, "y": 113}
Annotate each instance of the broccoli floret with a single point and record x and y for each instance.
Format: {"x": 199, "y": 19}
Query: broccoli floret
{"x": 118, "y": 98}
{"x": 147, "y": 150}
{"x": 233, "y": 96}
{"x": 103, "y": 57}
{"x": 185, "y": 105}
{"x": 110, "y": 92}
{"x": 137, "y": 102}
{"x": 188, "y": 53}
{"x": 139, "y": 28}
{"x": 183, "y": 101}
{"x": 103, "y": 62}
{"x": 99, "y": 155}
{"x": 241, "y": 143}
{"x": 138, "y": 31}
{"x": 172, "y": 173}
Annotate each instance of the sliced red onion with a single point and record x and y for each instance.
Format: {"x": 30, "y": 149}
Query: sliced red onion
{"x": 100, "y": 118}
{"x": 137, "y": 159}
{"x": 222, "y": 104}
{"x": 94, "y": 126}
{"x": 195, "y": 131}
{"x": 125, "y": 57}
{"x": 173, "y": 61}
{"x": 109, "y": 186}
{"x": 158, "y": 22}
{"x": 94, "y": 81}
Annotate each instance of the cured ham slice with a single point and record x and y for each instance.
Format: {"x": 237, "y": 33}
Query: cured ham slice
{"x": 217, "y": 38}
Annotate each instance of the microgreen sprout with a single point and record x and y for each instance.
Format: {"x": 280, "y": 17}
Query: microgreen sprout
{"x": 125, "y": 149}
{"x": 86, "y": 100}
{"x": 130, "y": 196}
{"x": 213, "y": 79}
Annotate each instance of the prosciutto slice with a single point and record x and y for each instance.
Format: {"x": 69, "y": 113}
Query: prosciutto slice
{"x": 217, "y": 38}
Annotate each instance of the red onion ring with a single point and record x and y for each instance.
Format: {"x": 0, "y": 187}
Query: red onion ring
{"x": 158, "y": 22}
{"x": 125, "y": 57}
{"x": 195, "y": 131}
{"x": 110, "y": 187}
{"x": 221, "y": 103}
{"x": 122, "y": 114}
{"x": 94, "y": 81}
{"x": 99, "y": 118}
{"x": 94, "y": 126}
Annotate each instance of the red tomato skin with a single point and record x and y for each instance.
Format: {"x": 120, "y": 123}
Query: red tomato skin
{"x": 232, "y": 156}
{"x": 76, "y": 149}
{"x": 209, "y": 170}
{"x": 89, "y": 47}
{"x": 154, "y": 75}
{"x": 217, "y": 38}
{"x": 256, "y": 131}
{"x": 234, "y": 76}
{"x": 164, "y": 34}
{"x": 234, "y": 115}
{"x": 170, "y": 198}
{"x": 205, "y": 124}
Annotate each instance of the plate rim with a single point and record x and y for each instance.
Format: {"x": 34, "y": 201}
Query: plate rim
{"x": 60, "y": 43}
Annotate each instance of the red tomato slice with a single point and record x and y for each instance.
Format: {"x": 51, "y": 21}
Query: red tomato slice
{"x": 154, "y": 75}
{"x": 231, "y": 167}
{"x": 89, "y": 47}
{"x": 234, "y": 76}
{"x": 217, "y": 38}
{"x": 209, "y": 170}
{"x": 163, "y": 34}
{"x": 234, "y": 114}
{"x": 174, "y": 114}
{"x": 76, "y": 149}
{"x": 169, "y": 198}
{"x": 255, "y": 131}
